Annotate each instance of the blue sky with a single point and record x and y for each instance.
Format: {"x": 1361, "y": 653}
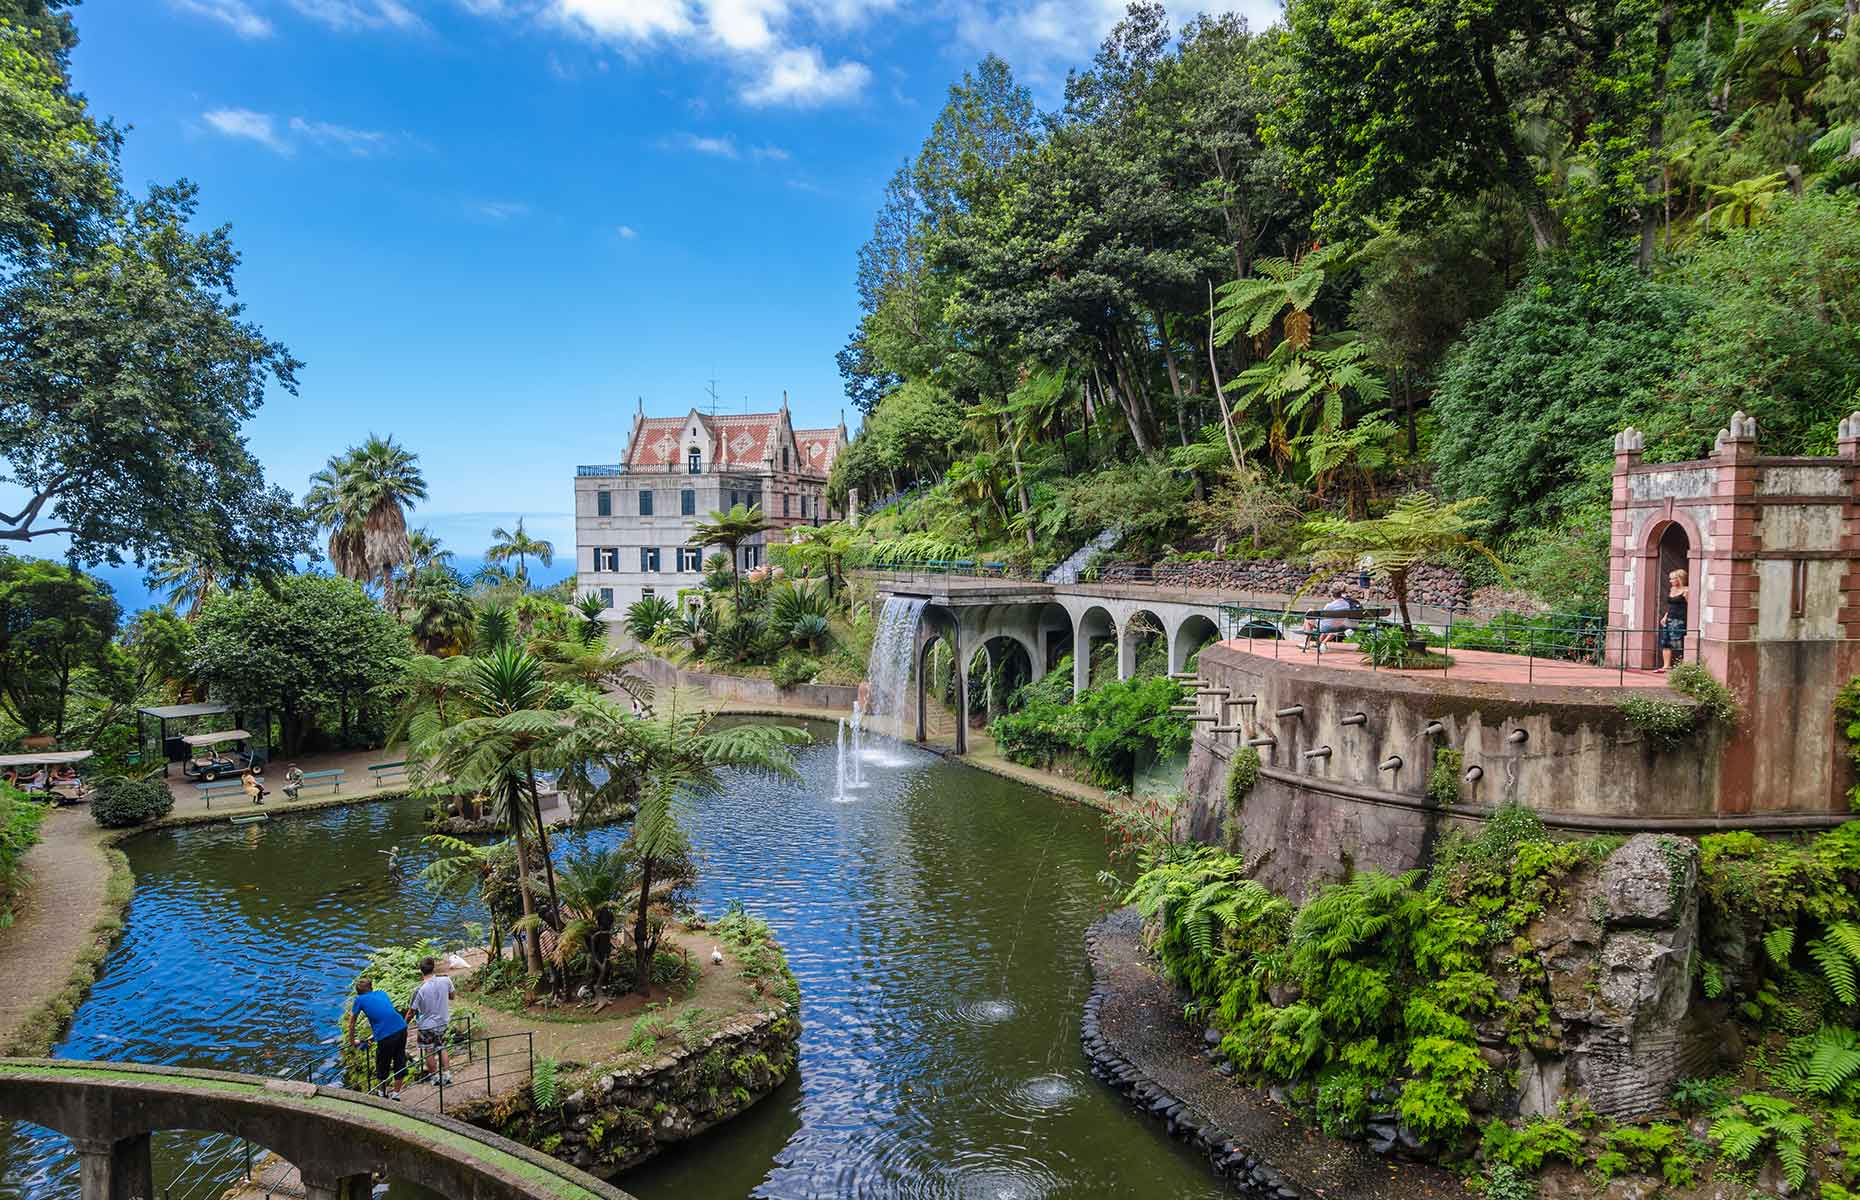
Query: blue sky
{"x": 487, "y": 226}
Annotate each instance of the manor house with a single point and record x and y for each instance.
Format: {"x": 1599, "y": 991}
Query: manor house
{"x": 636, "y": 520}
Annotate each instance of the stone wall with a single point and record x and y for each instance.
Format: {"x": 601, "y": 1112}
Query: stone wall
{"x": 1433, "y": 585}
{"x": 746, "y": 689}
{"x": 615, "y": 1117}
{"x": 1567, "y": 752}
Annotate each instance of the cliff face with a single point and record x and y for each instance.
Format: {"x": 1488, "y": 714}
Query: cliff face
{"x": 1617, "y": 950}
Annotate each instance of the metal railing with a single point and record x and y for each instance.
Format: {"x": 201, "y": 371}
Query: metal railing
{"x": 600, "y": 471}
{"x": 1589, "y": 642}
{"x": 208, "y": 1167}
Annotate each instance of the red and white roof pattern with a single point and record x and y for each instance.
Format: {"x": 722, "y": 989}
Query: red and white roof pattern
{"x": 656, "y": 443}
{"x": 818, "y": 448}
{"x": 747, "y": 441}
{"x": 735, "y": 442}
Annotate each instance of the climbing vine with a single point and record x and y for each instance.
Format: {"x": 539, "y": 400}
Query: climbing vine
{"x": 1668, "y": 723}
{"x": 1443, "y": 783}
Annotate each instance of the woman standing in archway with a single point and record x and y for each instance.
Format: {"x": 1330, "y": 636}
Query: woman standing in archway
{"x": 1673, "y": 623}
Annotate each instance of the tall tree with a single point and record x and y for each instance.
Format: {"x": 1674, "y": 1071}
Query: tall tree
{"x": 362, "y": 497}
{"x": 507, "y": 544}
{"x": 54, "y": 621}
{"x": 729, "y": 530}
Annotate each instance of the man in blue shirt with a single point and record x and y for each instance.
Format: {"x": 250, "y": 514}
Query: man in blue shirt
{"x": 390, "y": 1034}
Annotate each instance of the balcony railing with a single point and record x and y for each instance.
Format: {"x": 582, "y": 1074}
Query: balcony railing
{"x": 600, "y": 470}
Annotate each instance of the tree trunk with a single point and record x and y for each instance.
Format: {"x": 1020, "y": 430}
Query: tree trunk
{"x": 542, "y": 842}
{"x": 1020, "y": 489}
{"x": 532, "y": 949}
{"x": 1220, "y": 391}
{"x": 642, "y": 953}
{"x": 1546, "y": 228}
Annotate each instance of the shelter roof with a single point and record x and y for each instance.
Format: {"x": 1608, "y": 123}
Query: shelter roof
{"x": 175, "y": 712}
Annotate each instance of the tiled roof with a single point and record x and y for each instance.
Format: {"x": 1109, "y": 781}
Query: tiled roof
{"x": 746, "y": 440}
{"x": 818, "y": 447}
{"x": 657, "y": 443}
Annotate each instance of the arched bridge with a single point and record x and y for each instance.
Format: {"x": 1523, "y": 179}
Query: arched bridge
{"x": 337, "y": 1139}
{"x": 985, "y": 615}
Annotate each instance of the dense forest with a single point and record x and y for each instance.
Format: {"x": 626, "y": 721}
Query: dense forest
{"x": 1243, "y": 278}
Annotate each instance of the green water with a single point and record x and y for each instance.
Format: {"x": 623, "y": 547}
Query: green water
{"x": 934, "y": 921}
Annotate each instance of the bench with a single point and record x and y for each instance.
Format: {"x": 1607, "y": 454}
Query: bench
{"x": 329, "y": 779}
{"x": 383, "y": 770}
{"x": 217, "y": 787}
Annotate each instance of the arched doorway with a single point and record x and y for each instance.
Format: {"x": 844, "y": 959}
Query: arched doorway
{"x": 1670, "y": 546}
{"x": 941, "y": 696}
{"x": 1095, "y": 628}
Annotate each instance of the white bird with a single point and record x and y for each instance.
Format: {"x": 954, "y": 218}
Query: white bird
{"x": 716, "y": 957}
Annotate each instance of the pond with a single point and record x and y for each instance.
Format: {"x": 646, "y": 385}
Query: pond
{"x": 935, "y": 921}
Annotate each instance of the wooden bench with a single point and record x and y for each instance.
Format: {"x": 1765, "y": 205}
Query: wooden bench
{"x": 330, "y": 779}
{"x": 217, "y": 787}
{"x": 383, "y": 770}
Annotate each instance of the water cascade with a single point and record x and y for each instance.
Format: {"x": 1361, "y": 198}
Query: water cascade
{"x": 849, "y": 769}
{"x": 889, "y": 668}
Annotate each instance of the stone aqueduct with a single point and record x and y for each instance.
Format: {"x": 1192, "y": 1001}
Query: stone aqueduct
{"x": 974, "y": 617}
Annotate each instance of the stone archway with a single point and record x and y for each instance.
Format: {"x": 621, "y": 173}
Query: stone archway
{"x": 1668, "y": 544}
{"x": 925, "y": 667}
{"x": 1142, "y": 637}
{"x": 1094, "y": 625}
{"x": 1187, "y": 639}
{"x": 998, "y": 667}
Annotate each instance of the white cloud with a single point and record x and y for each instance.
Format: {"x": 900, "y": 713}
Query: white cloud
{"x": 627, "y": 232}
{"x": 359, "y": 14}
{"x": 800, "y": 76}
{"x": 253, "y": 126}
{"x": 360, "y": 142}
{"x": 720, "y": 147}
{"x": 1036, "y": 33}
{"x": 625, "y": 20}
{"x": 772, "y": 153}
{"x": 236, "y": 15}
{"x": 500, "y": 210}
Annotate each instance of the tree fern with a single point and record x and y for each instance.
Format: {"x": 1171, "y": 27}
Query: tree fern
{"x": 1757, "y": 1120}
{"x": 544, "y": 1086}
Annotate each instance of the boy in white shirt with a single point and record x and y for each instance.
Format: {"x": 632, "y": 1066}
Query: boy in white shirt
{"x": 431, "y": 1011}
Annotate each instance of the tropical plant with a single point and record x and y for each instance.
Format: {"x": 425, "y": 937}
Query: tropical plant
{"x": 497, "y": 625}
{"x": 362, "y": 497}
{"x": 1418, "y": 529}
{"x": 188, "y": 578}
{"x": 508, "y": 544}
{"x": 440, "y": 616}
{"x": 597, "y": 666}
{"x": 55, "y": 622}
{"x": 729, "y": 530}
{"x": 823, "y": 549}
{"x": 1743, "y": 1129}
{"x": 462, "y": 868}
{"x": 120, "y": 802}
{"x": 615, "y": 760}
{"x": 645, "y": 617}
{"x": 594, "y": 885}
{"x": 593, "y": 627}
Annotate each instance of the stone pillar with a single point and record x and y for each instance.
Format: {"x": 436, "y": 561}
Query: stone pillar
{"x": 1726, "y": 598}
{"x": 852, "y": 507}
{"x": 1126, "y": 651}
{"x": 321, "y": 1185}
{"x": 1622, "y": 587}
{"x": 960, "y": 645}
{"x": 920, "y": 667}
{"x": 1081, "y": 662}
{"x": 115, "y": 1170}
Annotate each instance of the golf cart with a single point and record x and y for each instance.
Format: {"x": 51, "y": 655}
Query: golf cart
{"x": 213, "y": 755}
{"x": 49, "y": 774}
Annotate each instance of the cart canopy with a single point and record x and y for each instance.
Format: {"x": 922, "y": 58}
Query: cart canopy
{"x": 45, "y": 758}
{"x": 198, "y": 740}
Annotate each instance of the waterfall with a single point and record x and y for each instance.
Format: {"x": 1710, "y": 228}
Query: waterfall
{"x": 1069, "y": 570}
{"x": 889, "y": 668}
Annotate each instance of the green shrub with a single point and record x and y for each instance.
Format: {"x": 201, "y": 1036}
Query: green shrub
{"x": 1847, "y": 716}
{"x": 1668, "y": 723}
{"x": 1110, "y": 726}
{"x": 1506, "y": 1182}
{"x": 1443, "y": 782}
{"x": 119, "y": 802}
{"x": 1242, "y": 775}
{"x": 793, "y": 669}
{"x": 19, "y": 832}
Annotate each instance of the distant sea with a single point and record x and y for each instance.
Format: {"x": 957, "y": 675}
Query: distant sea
{"x": 126, "y": 581}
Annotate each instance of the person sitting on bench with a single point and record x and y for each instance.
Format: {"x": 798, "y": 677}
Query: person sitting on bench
{"x": 1330, "y": 629}
{"x": 293, "y": 781}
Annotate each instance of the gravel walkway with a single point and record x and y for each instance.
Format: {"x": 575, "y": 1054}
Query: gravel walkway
{"x": 1139, "y": 1018}
{"x": 64, "y": 898}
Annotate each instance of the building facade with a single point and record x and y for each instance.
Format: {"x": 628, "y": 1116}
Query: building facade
{"x": 636, "y": 520}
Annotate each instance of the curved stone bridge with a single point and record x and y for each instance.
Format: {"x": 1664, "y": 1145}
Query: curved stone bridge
{"x": 337, "y": 1139}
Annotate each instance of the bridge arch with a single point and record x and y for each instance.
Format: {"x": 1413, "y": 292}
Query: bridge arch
{"x": 335, "y": 1138}
{"x": 1189, "y": 635}
{"x": 1008, "y": 661}
{"x": 1093, "y": 623}
{"x": 1138, "y": 632}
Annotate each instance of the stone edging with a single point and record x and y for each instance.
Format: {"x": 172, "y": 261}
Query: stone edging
{"x": 1244, "y": 1171}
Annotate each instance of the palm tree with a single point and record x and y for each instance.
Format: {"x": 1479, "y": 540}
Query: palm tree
{"x": 462, "y": 868}
{"x": 730, "y": 530}
{"x": 515, "y": 543}
{"x": 593, "y": 629}
{"x": 186, "y": 578}
{"x": 597, "y": 667}
{"x": 362, "y": 497}
{"x": 423, "y": 551}
{"x": 441, "y": 617}
{"x": 616, "y": 760}
{"x": 1418, "y": 529}
{"x": 505, "y": 716}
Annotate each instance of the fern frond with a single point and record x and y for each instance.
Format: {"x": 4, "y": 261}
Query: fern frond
{"x": 1836, "y": 967}
{"x": 1780, "y": 944}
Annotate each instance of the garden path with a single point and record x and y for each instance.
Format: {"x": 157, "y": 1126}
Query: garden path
{"x": 67, "y": 875}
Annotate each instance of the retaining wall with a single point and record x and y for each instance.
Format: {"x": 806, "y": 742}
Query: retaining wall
{"x": 748, "y": 689}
